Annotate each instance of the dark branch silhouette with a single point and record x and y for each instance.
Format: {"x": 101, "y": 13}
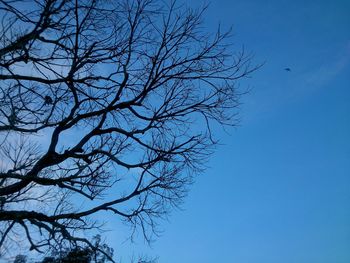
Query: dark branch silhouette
{"x": 105, "y": 107}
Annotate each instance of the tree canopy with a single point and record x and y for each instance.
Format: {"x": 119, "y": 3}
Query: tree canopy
{"x": 105, "y": 107}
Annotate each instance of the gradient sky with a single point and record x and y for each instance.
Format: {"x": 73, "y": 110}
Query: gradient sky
{"x": 278, "y": 189}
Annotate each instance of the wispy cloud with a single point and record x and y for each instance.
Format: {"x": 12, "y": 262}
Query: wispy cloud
{"x": 328, "y": 71}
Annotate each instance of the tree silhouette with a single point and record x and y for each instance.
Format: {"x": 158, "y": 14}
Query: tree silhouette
{"x": 100, "y": 253}
{"x": 105, "y": 107}
{"x": 20, "y": 259}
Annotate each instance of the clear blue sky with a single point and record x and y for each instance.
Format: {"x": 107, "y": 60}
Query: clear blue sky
{"x": 278, "y": 190}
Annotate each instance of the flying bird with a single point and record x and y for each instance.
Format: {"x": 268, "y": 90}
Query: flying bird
{"x": 287, "y": 69}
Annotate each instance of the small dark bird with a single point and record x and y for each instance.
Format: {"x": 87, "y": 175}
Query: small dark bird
{"x": 12, "y": 119}
{"x": 287, "y": 69}
{"x": 26, "y": 55}
{"x": 48, "y": 100}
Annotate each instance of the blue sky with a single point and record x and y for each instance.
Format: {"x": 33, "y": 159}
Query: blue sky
{"x": 278, "y": 189}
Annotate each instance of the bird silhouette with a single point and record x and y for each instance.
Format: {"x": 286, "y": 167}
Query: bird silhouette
{"x": 48, "y": 100}
{"x": 287, "y": 69}
{"x": 12, "y": 119}
{"x": 25, "y": 55}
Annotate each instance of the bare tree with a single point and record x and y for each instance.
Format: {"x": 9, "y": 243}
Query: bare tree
{"x": 105, "y": 106}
